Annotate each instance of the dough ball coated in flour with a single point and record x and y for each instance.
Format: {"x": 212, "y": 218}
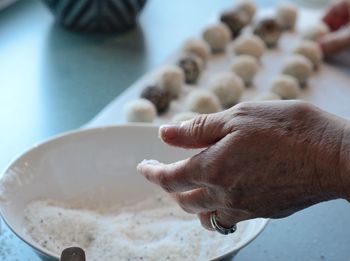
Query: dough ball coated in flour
{"x": 217, "y": 36}
{"x": 140, "y": 110}
{"x": 311, "y": 50}
{"x": 171, "y": 78}
{"x": 228, "y": 87}
{"x": 287, "y": 14}
{"x": 249, "y": 44}
{"x": 298, "y": 67}
{"x": 285, "y": 86}
{"x": 246, "y": 67}
{"x": 203, "y": 102}
{"x": 198, "y": 47}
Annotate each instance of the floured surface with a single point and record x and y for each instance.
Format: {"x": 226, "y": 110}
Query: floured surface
{"x": 151, "y": 230}
{"x": 328, "y": 88}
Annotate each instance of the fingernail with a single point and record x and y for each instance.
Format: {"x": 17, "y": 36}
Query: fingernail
{"x": 167, "y": 131}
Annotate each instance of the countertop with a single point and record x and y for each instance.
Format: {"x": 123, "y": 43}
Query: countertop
{"x": 53, "y": 80}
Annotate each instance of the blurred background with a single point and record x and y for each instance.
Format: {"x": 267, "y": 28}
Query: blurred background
{"x": 54, "y": 80}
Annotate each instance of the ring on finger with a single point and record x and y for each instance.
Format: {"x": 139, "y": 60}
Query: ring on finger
{"x": 219, "y": 228}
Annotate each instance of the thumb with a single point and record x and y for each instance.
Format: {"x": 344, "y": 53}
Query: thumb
{"x": 200, "y": 132}
{"x": 335, "y": 42}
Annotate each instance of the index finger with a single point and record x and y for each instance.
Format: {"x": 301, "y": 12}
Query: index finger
{"x": 335, "y": 42}
{"x": 337, "y": 15}
{"x": 180, "y": 176}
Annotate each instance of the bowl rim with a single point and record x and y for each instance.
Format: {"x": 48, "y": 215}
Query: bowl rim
{"x": 62, "y": 135}
{"x": 38, "y": 248}
{"x": 263, "y": 224}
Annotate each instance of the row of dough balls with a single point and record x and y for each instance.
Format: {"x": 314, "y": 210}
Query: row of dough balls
{"x": 223, "y": 91}
{"x": 268, "y": 30}
{"x": 298, "y": 67}
{"x": 196, "y": 52}
{"x": 306, "y": 57}
{"x": 233, "y": 21}
{"x": 227, "y": 86}
{"x": 170, "y": 79}
{"x": 287, "y": 14}
{"x": 216, "y": 37}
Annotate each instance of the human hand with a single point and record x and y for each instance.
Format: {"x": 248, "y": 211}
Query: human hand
{"x": 336, "y": 17}
{"x": 338, "y": 14}
{"x": 267, "y": 159}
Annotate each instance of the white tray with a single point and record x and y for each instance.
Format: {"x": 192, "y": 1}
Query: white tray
{"x": 328, "y": 88}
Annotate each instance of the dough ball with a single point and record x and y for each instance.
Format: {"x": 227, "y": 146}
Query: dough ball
{"x": 269, "y": 30}
{"x": 249, "y": 44}
{"x": 140, "y": 110}
{"x": 299, "y": 67}
{"x": 246, "y": 67}
{"x": 311, "y": 50}
{"x": 286, "y": 87}
{"x": 203, "y": 102}
{"x": 268, "y": 96}
{"x": 316, "y": 31}
{"x": 247, "y": 7}
{"x": 287, "y": 14}
{"x": 171, "y": 78}
{"x": 184, "y": 116}
{"x": 198, "y": 47}
{"x": 235, "y": 21}
{"x": 217, "y": 36}
{"x": 192, "y": 66}
{"x": 159, "y": 97}
{"x": 227, "y": 86}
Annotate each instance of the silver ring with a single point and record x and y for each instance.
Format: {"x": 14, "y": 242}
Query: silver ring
{"x": 219, "y": 228}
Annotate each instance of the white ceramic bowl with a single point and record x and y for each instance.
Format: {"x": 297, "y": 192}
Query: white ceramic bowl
{"x": 97, "y": 166}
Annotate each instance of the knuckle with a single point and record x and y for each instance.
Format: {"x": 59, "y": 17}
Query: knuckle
{"x": 241, "y": 109}
{"x": 197, "y": 125}
{"x": 301, "y": 108}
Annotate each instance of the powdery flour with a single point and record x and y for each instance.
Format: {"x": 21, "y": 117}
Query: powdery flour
{"x": 151, "y": 230}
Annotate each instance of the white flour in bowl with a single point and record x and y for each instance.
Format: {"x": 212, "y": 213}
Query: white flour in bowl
{"x": 150, "y": 230}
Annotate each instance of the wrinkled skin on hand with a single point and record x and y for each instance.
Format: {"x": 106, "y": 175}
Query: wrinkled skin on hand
{"x": 267, "y": 159}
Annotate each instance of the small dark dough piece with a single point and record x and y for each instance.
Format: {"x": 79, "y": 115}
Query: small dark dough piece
{"x": 159, "y": 97}
{"x": 235, "y": 21}
{"x": 73, "y": 254}
{"x": 269, "y": 31}
{"x": 191, "y": 67}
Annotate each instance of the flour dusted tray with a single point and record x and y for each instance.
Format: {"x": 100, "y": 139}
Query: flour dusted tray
{"x": 328, "y": 88}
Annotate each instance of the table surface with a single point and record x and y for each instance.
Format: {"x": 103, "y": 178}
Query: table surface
{"x": 54, "y": 80}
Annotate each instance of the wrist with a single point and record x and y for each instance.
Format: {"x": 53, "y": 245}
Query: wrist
{"x": 332, "y": 161}
{"x": 344, "y": 161}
